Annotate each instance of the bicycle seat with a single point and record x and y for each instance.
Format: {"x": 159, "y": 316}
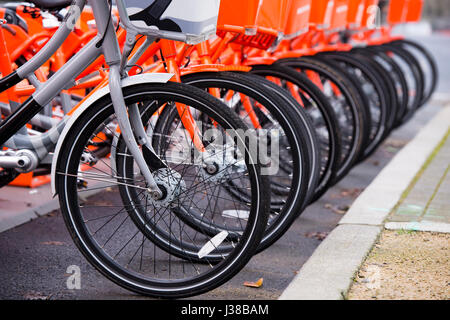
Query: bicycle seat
{"x": 51, "y": 4}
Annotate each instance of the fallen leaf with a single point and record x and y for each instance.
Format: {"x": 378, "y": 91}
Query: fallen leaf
{"x": 53, "y": 243}
{"x": 52, "y": 213}
{"x": 317, "y": 235}
{"x": 35, "y": 295}
{"x": 339, "y": 210}
{"x": 342, "y": 209}
{"x": 256, "y": 284}
{"x": 354, "y": 192}
{"x": 101, "y": 203}
{"x": 396, "y": 143}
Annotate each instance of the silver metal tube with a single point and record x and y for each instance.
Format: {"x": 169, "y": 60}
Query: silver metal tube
{"x": 113, "y": 57}
{"x": 11, "y": 162}
{"x": 55, "y": 41}
{"x": 127, "y": 48}
{"x": 135, "y": 57}
{"x": 68, "y": 72}
{"x": 126, "y": 129}
{"x": 110, "y": 45}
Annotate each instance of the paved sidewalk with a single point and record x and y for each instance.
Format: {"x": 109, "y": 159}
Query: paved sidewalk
{"x": 404, "y": 263}
{"x": 411, "y": 193}
{"x": 426, "y": 204}
{"x": 21, "y": 205}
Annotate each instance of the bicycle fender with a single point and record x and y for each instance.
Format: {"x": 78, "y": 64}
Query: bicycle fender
{"x": 97, "y": 95}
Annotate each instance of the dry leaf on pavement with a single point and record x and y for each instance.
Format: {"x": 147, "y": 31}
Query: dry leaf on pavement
{"x": 53, "y": 243}
{"x": 317, "y": 235}
{"x": 256, "y": 284}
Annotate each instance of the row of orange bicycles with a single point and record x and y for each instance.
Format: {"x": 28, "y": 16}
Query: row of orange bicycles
{"x": 183, "y": 137}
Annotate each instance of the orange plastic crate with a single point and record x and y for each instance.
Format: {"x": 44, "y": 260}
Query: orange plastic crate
{"x": 321, "y": 13}
{"x": 273, "y": 14}
{"x": 355, "y": 13}
{"x": 298, "y": 18}
{"x": 339, "y": 15}
{"x": 238, "y": 14}
{"x": 258, "y": 27}
{"x": 397, "y": 11}
{"x": 414, "y": 10}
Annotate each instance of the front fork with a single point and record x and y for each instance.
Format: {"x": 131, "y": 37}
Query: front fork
{"x": 128, "y": 134}
{"x": 131, "y": 125}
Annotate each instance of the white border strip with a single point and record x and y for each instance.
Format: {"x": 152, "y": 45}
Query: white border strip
{"x": 329, "y": 271}
{"x": 429, "y": 226}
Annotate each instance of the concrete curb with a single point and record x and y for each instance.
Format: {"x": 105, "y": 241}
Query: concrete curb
{"x": 329, "y": 272}
{"x": 440, "y": 98}
{"x": 12, "y": 219}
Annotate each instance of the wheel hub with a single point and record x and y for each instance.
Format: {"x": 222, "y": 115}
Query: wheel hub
{"x": 171, "y": 185}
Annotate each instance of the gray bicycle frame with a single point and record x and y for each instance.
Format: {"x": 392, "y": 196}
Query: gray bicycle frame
{"x": 106, "y": 43}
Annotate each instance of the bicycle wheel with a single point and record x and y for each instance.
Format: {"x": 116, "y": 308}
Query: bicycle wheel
{"x": 427, "y": 64}
{"x": 392, "y": 73}
{"x": 412, "y": 74}
{"x": 136, "y": 241}
{"x": 372, "y": 87}
{"x": 352, "y": 115}
{"x": 313, "y": 143}
{"x": 289, "y": 171}
{"x": 309, "y": 97}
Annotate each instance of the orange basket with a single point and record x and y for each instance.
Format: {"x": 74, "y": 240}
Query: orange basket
{"x": 369, "y": 13}
{"x": 298, "y": 18}
{"x": 339, "y": 15}
{"x": 238, "y": 15}
{"x": 414, "y": 10}
{"x": 397, "y": 11}
{"x": 321, "y": 13}
{"x": 255, "y": 23}
{"x": 273, "y": 14}
{"x": 355, "y": 13}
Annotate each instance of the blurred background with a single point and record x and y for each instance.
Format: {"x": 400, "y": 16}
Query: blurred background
{"x": 437, "y": 13}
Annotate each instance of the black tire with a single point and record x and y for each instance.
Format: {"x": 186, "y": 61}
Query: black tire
{"x": 427, "y": 63}
{"x": 392, "y": 75}
{"x": 353, "y": 117}
{"x": 310, "y": 135}
{"x": 295, "y": 194}
{"x": 371, "y": 85}
{"x": 413, "y": 75}
{"x": 98, "y": 117}
{"x": 324, "y": 120}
